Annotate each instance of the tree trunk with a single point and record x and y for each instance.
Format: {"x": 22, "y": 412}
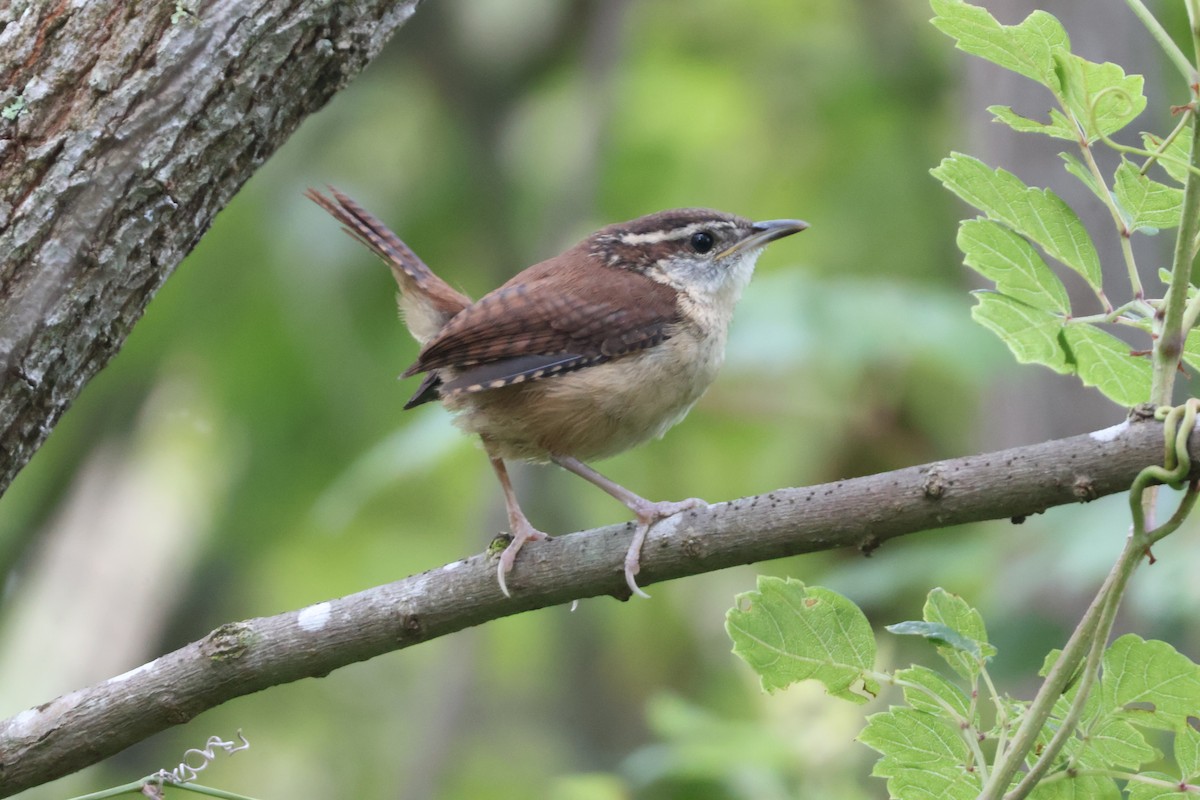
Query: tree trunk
{"x": 124, "y": 128}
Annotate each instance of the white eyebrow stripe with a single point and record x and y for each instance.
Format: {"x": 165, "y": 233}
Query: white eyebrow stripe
{"x": 654, "y": 237}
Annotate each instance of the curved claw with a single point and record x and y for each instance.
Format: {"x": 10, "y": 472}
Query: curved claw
{"x": 648, "y": 516}
{"x": 633, "y": 558}
{"x": 509, "y": 556}
{"x": 502, "y": 569}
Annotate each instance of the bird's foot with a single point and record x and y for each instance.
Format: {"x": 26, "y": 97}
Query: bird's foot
{"x": 520, "y": 535}
{"x": 648, "y": 514}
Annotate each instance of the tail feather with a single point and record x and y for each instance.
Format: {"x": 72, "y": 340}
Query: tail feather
{"x": 426, "y": 301}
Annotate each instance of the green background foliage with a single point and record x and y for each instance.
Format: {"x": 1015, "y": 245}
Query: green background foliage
{"x": 245, "y": 453}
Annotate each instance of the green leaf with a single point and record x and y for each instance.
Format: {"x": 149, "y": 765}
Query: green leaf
{"x": 1000, "y": 255}
{"x": 1101, "y": 97}
{"x": 1048, "y": 662}
{"x": 952, "y": 611}
{"x": 1075, "y": 167}
{"x": 939, "y": 634}
{"x": 1059, "y": 126}
{"x": 935, "y": 684}
{"x": 1033, "y": 335}
{"x": 1102, "y": 360}
{"x": 908, "y": 738}
{"x": 1085, "y": 787}
{"x": 789, "y": 633}
{"x": 1146, "y": 204}
{"x": 1115, "y": 742}
{"x": 1191, "y": 348}
{"x": 1026, "y": 48}
{"x": 1187, "y": 752}
{"x": 1146, "y": 791}
{"x": 1176, "y": 157}
{"x": 1162, "y": 682}
{"x": 1038, "y": 214}
{"x": 942, "y": 783}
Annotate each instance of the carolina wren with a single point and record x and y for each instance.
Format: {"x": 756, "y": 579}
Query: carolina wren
{"x": 582, "y": 356}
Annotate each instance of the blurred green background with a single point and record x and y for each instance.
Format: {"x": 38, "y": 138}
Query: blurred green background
{"x": 245, "y": 453}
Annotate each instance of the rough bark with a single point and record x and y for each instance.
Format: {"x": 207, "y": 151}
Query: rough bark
{"x": 124, "y": 128}
{"x": 85, "y": 726}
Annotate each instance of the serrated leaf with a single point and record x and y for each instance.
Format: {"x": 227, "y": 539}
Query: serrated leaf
{"x": 1038, "y": 214}
{"x": 1033, "y": 335}
{"x": 1059, "y": 126}
{"x": 1146, "y": 204}
{"x": 1187, "y": 752}
{"x": 1163, "y": 682}
{"x": 1006, "y": 258}
{"x": 935, "y": 684}
{"x": 1176, "y": 157}
{"x": 788, "y": 632}
{"x": 1084, "y": 787}
{"x": 952, "y": 611}
{"x": 907, "y": 738}
{"x": 945, "y": 783}
{"x": 1075, "y": 167}
{"x": 1115, "y": 742}
{"x": 1102, "y": 360}
{"x": 1148, "y": 791}
{"x": 1101, "y": 97}
{"x": 1025, "y": 48}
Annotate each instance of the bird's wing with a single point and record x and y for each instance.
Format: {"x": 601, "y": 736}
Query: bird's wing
{"x": 547, "y": 324}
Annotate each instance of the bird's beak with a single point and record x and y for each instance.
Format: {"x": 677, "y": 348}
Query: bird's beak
{"x": 764, "y": 233}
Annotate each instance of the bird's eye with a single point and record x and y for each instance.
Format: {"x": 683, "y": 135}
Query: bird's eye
{"x": 702, "y": 241}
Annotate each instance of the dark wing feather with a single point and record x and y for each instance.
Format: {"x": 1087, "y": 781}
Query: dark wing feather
{"x": 427, "y": 392}
{"x": 495, "y": 374}
{"x": 548, "y": 322}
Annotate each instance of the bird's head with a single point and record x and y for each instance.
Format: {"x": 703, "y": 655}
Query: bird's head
{"x": 699, "y": 251}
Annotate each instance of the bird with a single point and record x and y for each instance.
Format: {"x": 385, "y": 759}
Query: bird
{"x": 581, "y": 356}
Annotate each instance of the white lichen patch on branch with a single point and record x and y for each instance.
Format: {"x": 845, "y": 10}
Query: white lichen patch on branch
{"x": 124, "y": 676}
{"x": 314, "y": 618}
{"x": 1108, "y": 434}
{"x": 35, "y": 721}
{"x": 17, "y": 725}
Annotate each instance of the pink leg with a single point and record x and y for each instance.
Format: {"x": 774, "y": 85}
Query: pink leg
{"x": 519, "y": 526}
{"x": 647, "y": 513}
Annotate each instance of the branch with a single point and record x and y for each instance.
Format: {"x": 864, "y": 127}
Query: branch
{"x": 126, "y": 128}
{"x": 238, "y": 658}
